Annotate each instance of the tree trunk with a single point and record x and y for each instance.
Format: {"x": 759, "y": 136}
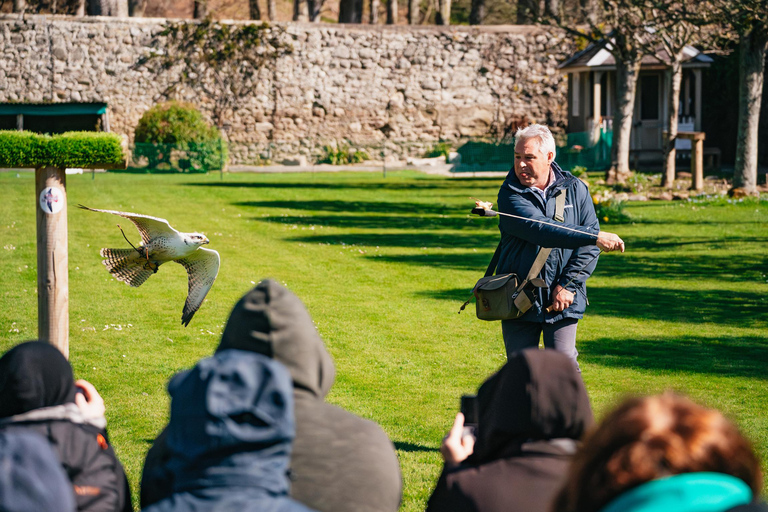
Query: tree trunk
{"x": 300, "y": 10}
{"x": 675, "y": 78}
{"x": 373, "y": 16}
{"x": 626, "y": 86}
{"x": 444, "y": 12}
{"x": 254, "y": 11}
{"x": 552, "y": 7}
{"x": 314, "y": 7}
{"x": 19, "y": 5}
{"x": 81, "y": 9}
{"x": 201, "y": 9}
{"x": 477, "y": 14}
{"x": 122, "y": 9}
{"x": 752, "y": 49}
{"x": 135, "y": 8}
{"x": 392, "y": 12}
{"x": 272, "y": 10}
{"x": 351, "y": 11}
{"x": 413, "y": 12}
{"x": 528, "y": 11}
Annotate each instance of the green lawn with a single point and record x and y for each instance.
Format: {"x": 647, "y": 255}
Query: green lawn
{"x": 383, "y": 265}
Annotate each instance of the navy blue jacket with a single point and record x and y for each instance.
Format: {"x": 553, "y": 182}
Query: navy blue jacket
{"x": 230, "y": 436}
{"x": 521, "y": 239}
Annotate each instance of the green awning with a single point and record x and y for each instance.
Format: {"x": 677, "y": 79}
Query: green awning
{"x": 52, "y": 109}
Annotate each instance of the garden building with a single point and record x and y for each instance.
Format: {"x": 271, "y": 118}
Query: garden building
{"x": 592, "y": 90}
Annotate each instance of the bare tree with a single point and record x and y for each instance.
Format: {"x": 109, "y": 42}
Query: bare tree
{"x": 392, "y": 12}
{"x": 622, "y": 29}
{"x": 314, "y": 7}
{"x": 19, "y": 5}
{"x": 477, "y": 14}
{"x": 272, "y": 10}
{"x": 443, "y": 12}
{"x": 254, "y": 11}
{"x": 351, "y": 11}
{"x": 678, "y": 24}
{"x": 216, "y": 61}
{"x": 748, "y": 20}
{"x": 201, "y": 9}
{"x": 300, "y": 10}
{"x": 528, "y": 11}
{"x": 413, "y": 12}
{"x": 373, "y": 15}
{"x": 136, "y": 8}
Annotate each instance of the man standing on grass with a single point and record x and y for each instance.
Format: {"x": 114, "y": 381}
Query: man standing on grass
{"x": 530, "y": 191}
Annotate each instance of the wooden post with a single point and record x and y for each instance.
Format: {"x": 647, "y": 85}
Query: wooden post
{"x": 697, "y": 163}
{"x": 52, "y": 258}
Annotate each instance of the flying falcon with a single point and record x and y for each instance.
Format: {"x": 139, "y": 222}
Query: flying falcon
{"x": 161, "y": 243}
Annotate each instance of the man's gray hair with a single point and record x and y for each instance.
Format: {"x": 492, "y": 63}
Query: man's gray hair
{"x": 540, "y": 133}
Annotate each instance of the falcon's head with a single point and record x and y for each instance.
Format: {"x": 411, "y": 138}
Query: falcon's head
{"x": 198, "y": 239}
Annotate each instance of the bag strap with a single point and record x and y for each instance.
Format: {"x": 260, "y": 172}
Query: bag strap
{"x": 494, "y": 261}
{"x": 541, "y": 257}
{"x": 543, "y": 254}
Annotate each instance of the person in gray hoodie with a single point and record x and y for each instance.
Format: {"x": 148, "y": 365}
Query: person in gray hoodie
{"x": 229, "y": 438}
{"x": 340, "y": 462}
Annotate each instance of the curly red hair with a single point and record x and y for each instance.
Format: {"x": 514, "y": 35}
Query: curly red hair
{"x": 648, "y": 438}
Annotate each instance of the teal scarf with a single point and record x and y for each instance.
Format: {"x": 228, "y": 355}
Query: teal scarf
{"x": 688, "y": 492}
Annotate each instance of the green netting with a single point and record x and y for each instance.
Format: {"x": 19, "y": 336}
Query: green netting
{"x": 182, "y": 157}
{"x": 580, "y": 150}
{"x": 576, "y": 149}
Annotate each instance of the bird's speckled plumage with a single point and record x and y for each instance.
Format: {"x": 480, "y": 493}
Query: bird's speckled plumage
{"x": 161, "y": 243}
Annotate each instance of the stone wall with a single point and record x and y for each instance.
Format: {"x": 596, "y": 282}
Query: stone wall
{"x": 362, "y": 83}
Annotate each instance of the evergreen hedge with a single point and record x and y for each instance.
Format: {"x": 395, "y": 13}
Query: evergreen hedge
{"x": 71, "y": 149}
{"x": 174, "y": 136}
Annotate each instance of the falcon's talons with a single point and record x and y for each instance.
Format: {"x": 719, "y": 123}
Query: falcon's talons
{"x": 151, "y": 266}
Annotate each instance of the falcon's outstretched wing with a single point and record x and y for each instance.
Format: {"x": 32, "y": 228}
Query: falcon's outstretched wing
{"x": 149, "y": 227}
{"x": 202, "y": 268}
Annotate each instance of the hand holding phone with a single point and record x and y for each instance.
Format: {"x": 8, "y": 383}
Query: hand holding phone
{"x": 456, "y": 446}
{"x": 88, "y": 400}
{"x": 468, "y": 408}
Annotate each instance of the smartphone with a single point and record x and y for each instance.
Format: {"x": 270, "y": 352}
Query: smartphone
{"x": 469, "y": 410}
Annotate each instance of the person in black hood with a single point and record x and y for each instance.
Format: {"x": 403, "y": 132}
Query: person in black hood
{"x": 229, "y": 438}
{"x": 530, "y": 416}
{"x": 340, "y": 462}
{"x": 38, "y": 393}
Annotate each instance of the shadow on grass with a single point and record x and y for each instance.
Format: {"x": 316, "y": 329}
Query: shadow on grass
{"x": 402, "y": 446}
{"x": 680, "y": 266}
{"x": 672, "y": 243}
{"x": 477, "y": 261}
{"x": 741, "y": 309}
{"x": 384, "y": 222}
{"x": 724, "y": 356}
{"x": 376, "y": 182}
{"x": 359, "y": 207}
{"x": 411, "y": 239}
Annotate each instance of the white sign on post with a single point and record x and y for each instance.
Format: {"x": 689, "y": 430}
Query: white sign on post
{"x": 51, "y": 200}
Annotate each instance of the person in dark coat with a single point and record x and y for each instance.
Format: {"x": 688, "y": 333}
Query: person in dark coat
{"x": 38, "y": 394}
{"x": 340, "y": 462}
{"x": 531, "y": 415}
{"x": 229, "y": 438}
{"x": 31, "y": 477}
{"x": 529, "y": 193}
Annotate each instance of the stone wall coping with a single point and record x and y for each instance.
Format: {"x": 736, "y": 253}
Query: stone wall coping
{"x": 341, "y": 27}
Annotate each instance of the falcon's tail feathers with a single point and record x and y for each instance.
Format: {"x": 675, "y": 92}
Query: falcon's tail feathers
{"x": 128, "y": 266}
